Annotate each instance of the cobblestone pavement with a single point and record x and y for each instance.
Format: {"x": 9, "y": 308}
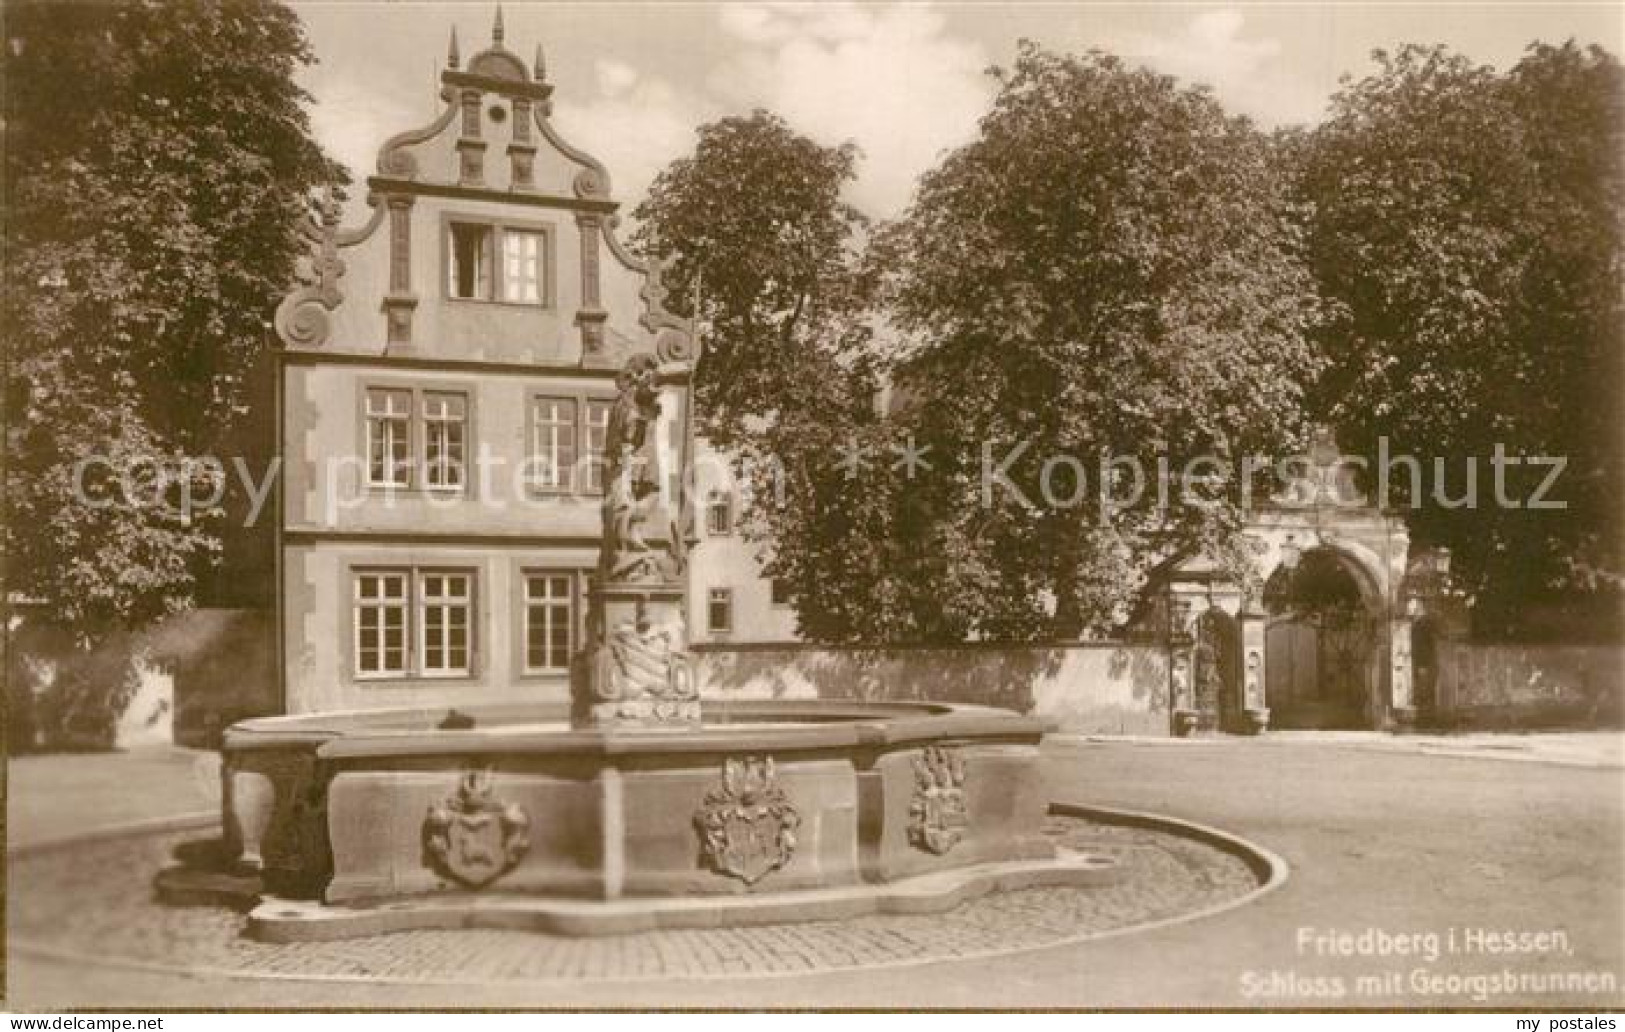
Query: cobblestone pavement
{"x": 97, "y": 900}
{"x": 1399, "y": 841}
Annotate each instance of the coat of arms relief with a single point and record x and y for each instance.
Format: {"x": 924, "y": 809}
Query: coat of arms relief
{"x": 747, "y": 826}
{"x": 937, "y": 813}
{"x": 472, "y": 837}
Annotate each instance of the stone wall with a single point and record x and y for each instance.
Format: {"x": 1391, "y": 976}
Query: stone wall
{"x": 62, "y": 698}
{"x": 1093, "y": 688}
{"x": 224, "y": 667}
{"x": 35, "y": 722}
{"x": 1530, "y": 686}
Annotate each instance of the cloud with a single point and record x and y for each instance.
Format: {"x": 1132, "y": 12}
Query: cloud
{"x": 635, "y": 124}
{"x": 351, "y": 118}
{"x": 615, "y": 78}
{"x": 1245, "y": 74}
{"x": 775, "y": 23}
{"x": 888, "y": 77}
{"x": 352, "y": 122}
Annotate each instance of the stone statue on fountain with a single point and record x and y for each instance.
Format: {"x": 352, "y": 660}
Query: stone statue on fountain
{"x": 636, "y": 669}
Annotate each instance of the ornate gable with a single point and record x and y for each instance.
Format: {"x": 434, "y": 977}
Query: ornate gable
{"x": 491, "y": 158}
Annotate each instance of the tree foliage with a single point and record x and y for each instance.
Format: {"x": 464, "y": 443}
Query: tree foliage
{"x": 757, "y": 234}
{"x": 1115, "y": 266}
{"x": 1110, "y": 267}
{"x": 158, "y": 161}
{"x": 1467, "y": 227}
{"x": 766, "y": 253}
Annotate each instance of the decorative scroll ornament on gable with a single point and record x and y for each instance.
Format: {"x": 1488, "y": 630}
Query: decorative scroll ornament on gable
{"x": 302, "y": 319}
{"x": 676, "y": 340}
{"x": 674, "y": 335}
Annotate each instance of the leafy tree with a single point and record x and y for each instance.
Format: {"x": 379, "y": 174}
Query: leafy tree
{"x": 761, "y": 241}
{"x": 1467, "y": 228}
{"x": 158, "y": 161}
{"x": 1110, "y": 267}
{"x": 756, "y": 232}
{"x": 1571, "y": 104}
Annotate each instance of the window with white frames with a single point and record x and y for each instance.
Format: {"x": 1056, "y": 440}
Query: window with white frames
{"x": 596, "y": 437}
{"x": 469, "y": 268}
{"x": 549, "y": 617}
{"x": 553, "y": 443}
{"x": 389, "y": 438}
{"x": 409, "y": 430}
{"x": 522, "y": 257}
{"x": 495, "y": 262}
{"x": 380, "y": 623}
{"x": 719, "y": 610}
{"x": 445, "y": 425}
{"x": 719, "y": 513}
{"x": 445, "y": 610}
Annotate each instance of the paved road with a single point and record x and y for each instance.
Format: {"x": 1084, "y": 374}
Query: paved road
{"x": 1399, "y": 841}
{"x": 61, "y": 795}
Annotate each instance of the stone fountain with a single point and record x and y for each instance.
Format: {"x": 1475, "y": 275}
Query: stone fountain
{"x": 638, "y": 805}
{"x": 636, "y": 671}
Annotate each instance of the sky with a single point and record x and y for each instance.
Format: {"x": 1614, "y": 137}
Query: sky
{"x": 906, "y": 82}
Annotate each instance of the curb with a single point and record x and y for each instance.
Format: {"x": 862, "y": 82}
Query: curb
{"x": 196, "y": 821}
{"x": 1396, "y": 744}
{"x": 1271, "y": 870}
{"x": 1459, "y": 753}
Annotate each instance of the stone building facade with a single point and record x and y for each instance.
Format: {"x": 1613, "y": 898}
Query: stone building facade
{"x": 731, "y": 604}
{"x": 446, "y": 376}
{"x": 1317, "y": 635}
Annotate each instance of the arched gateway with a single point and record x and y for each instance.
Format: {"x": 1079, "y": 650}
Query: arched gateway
{"x": 1325, "y": 643}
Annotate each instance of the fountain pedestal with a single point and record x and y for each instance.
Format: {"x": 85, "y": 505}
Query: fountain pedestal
{"x": 636, "y": 670}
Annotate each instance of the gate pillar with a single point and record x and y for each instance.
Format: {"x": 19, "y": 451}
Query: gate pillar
{"x": 1251, "y": 621}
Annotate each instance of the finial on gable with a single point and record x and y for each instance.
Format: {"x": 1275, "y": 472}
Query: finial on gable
{"x": 452, "y": 57}
{"x": 539, "y": 66}
{"x": 496, "y": 63}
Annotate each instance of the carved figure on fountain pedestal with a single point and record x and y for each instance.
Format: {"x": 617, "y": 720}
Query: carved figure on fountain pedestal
{"x": 635, "y": 518}
{"x": 636, "y": 669}
{"x": 631, "y": 507}
{"x": 637, "y": 406}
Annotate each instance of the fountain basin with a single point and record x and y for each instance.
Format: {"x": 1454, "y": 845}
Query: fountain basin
{"x": 359, "y": 810}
